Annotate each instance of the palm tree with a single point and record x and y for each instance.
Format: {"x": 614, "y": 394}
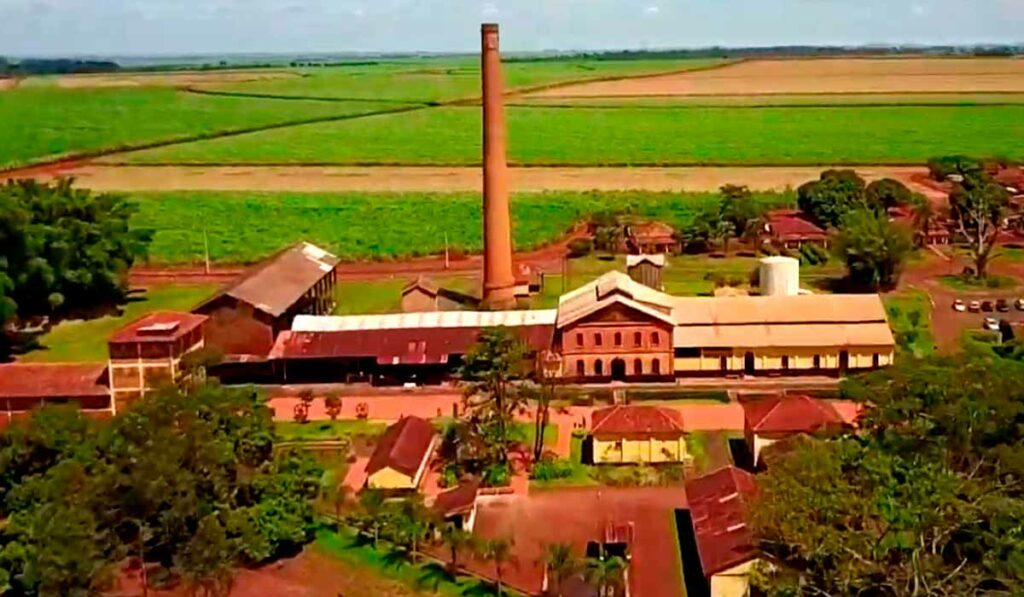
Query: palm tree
{"x": 457, "y": 540}
{"x": 335, "y": 494}
{"x": 608, "y": 575}
{"x": 560, "y": 565}
{"x": 371, "y": 502}
{"x": 413, "y": 524}
{"x": 498, "y": 551}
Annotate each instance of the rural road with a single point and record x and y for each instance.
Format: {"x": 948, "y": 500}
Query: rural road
{"x": 443, "y": 179}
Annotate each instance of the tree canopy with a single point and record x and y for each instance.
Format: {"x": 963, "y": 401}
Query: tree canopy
{"x": 977, "y": 205}
{"x": 873, "y": 248}
{"x": 186, "y": 478}
{"x": 926, "y": 499}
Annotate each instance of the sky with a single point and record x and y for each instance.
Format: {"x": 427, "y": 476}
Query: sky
{"x": 174, "y": 27}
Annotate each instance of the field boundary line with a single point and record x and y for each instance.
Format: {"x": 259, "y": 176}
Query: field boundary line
{"x": 511, "y": 164}
{"x": 726, "y": 106}
{"x": 305, "y": 98}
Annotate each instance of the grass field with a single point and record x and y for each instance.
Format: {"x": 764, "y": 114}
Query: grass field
{"x": 638, "y": 136}
{"x": 245, "y": 227}
{"x": 327, "y": 430}
{"x": 910, "y": 319}
{"x": 38, "y": 123}
{"x": 86, "y": 341}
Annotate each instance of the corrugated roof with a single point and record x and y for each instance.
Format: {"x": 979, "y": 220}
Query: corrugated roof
{"x": 279, "y": 282}
{"x": 636, "y": 422}
{"x": 789, "y": 335}
{"x": 162, "y": 326}
{"x": 719, "y": 507}
{"x": 456, "y": 501}
{"x": 803, "y": 309}
{"x": 657, "y": 260}
{"x": 56, "y": 380}
{"x": 612, "y": 287}
{"x": 403, "y": 447}
{"x": 425, "y": 320}
{"x": 790, "y": 414}
{"x": 792, "y": 224}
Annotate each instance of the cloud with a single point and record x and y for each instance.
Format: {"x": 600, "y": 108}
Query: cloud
{"x": 489, "y": 9}
{"x": 652, "y": 10}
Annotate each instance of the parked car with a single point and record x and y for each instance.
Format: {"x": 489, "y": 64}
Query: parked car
{"x": 959, "y": 306}
{"x": 991, "y": 324}
{"x": 1019, "y": 303}
{"x": 986, "y": 306}
{"x": 1002, "y": 305}
{"x": 974, "y": 307}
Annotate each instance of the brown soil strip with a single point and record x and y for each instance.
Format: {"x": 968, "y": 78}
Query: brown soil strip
{"x": 442, "y": 179}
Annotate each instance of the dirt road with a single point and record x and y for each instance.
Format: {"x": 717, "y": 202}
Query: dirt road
{"x": 440, "y": 179}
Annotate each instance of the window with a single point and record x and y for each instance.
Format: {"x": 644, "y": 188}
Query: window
{"x": 598, "y": 368}
{"x": 785, "y": 362}
{"x": 638, "y": 339}
{"x": 579, "y": 340}
{"x": 687, "y": 353}
{"x": 656, "y": 367}
{"x": 655, "y": 339}
{"x": 581, "y": 368}
{"x": 638, "y": 367}
{"x": 618, "y": 339}
{"x": 597, "y": 339}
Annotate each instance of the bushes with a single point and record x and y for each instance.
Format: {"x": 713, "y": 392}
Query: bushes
{"x": 580, "y": 248}
{"x": 811, "y": 254}
{"x": 549, "y": 470}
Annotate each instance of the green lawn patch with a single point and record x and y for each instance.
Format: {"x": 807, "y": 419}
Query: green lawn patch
{"x": 49, "y": 122}
{"x": 642, "y": 136}
{"x": 86, "y": 340}
{"x": 581, "y": 475}
{"x": 970, "y": 283}
{"x": 526, "y": 434}
{"x": 911, "y": 321}
{"x": 246, "y": 227}
{"x": 328, "y": 430}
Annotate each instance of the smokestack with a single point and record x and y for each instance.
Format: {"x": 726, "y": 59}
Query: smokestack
{"x": 499, "y": 282}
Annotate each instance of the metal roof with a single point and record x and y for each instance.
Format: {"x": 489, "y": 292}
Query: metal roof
{"x": 161, "y": 326}
{"x": 54, "y": 380}
{"x": 428, "y": 320}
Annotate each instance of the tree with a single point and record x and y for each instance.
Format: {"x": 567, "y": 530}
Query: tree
{"x": 207, "y": 559}
{"x": 873, "y": 248}
{"x": 924, "y": 499}
{"x": 412, "y": 524}
{"x": 739, "y": 208}
{"x": 560, "y": 565}
{"x": 371, "y": 517}
{"x": 977, "y": 206}
{"x": 607, "y": 575}
{"x": 881, "y": 195}
{"x": 457, "y": 541}
{"x": 499, "y": 552}
{"x": 63, "y": 249}
{"x": 828, "y": 199}
{"x": 332, "y": 403}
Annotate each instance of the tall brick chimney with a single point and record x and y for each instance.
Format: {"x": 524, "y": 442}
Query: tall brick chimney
{"x": 499, "y": 281}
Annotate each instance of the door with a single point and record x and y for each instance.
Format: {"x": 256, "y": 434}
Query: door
{"x": 844, "y": 361}
{"x": 748, "y": 363}
{"x": 618, "y": 370}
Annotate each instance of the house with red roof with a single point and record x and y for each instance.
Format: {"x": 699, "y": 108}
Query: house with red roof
{"x": 629, "y": 434}
{"x": 399, "y": 461}
{"x": 771, "y": 420}
{"x": 720, "y": 514}
{"x": 792, "y": 229}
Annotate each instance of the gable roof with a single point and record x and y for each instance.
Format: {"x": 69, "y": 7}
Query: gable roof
{"x": 161, "y": 326}
{"x": 720, "y": 511}
{"x": 279, "y": 282}
{"x": 790, "y": 414}
{"x": 657, "y": 260}
{"x": 423, "y": 284}
{"x": 459, "y": 500}
{"x": 792, "y": 224}
{"x": 403, "y": 447}
{"x": 636, "y": 422}
{"x": 611, "y": 288}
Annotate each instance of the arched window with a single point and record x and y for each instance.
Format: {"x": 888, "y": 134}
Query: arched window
{"x": 598, "y": 368}
{"x": 618, "y": 338}
{"x": 581, "y": 368}
{"x": 638, "y": 339}
{"x": 597, "y": 339}
{"x": 655, "y": 339}
{"x": 638, "y": 367}
{"x": 656, "y": 367}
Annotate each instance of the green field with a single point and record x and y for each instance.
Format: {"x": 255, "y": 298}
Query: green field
{"x": 433, "y": 80}
{"x": 910, "y": 316}
{"x": 246, "y": 227}
{"x": 86, "y": 340}
{"x": 39, "y": 123}
{"x": 635, "y": 136}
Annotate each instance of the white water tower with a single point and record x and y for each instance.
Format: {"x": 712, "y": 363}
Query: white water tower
{"x": 780, "y": 276}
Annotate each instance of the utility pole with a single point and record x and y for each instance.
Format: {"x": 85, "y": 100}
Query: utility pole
{"x": 447, "y": 263}
{"x": 206, "y": 249}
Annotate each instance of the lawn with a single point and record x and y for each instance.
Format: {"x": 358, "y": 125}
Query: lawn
{"x": 641, "y": 136}
{"x": 385, "y": 296}
{"x": 246, "y": 227}
{"x": 968, "y": 284}
{"x": 911, "y": 322}
{"x": 86, "y": 340}
{"x": 327, "y": 430}
{"x": 41, "y": 123}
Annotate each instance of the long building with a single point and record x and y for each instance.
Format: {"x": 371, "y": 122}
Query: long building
{"x": 610, "y": 329}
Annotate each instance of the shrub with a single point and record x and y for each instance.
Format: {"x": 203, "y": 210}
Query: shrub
{"x": 549, "y": 470}
{"x": 497, "y": 475}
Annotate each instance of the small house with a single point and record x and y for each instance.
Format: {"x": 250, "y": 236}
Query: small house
{"x": 458, "y": 505}
{"x": 400, "y": 459}
{"x": 651, "y": 238}
{"x": 778, "y": 418}
{"x": 792, "y": 229}
{"x": 647, "y": 270}
{"x": 627, "y": 434}
{"x": 720, "y": 514}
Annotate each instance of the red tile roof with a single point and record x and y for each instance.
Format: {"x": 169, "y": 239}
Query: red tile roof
{"x": 651, "y": 232}
{"x": 792, "y": 224}
{"x": 456, "y": 501}
{"x": 720, "y": 509}
{"x": 790, "y": 414}
{"x": 403, "y": 447}
{"x": 395, "y": 346}
{"x": 57, "y": 380}
{"x": 162, "y": 326}
{"x": 636, "y": 422}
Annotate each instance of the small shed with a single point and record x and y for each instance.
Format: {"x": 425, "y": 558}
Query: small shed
{"x": 647, "y": 270}
{"x": 778, "y": 418}
{"x": 651, "y": 238}
{"x": 400, "y": 459}
{"x": 627, "y": 434}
